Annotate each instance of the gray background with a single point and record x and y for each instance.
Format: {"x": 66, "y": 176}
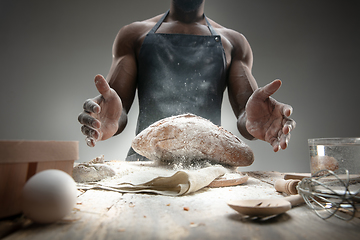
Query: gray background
{"x": 50, "y": 52}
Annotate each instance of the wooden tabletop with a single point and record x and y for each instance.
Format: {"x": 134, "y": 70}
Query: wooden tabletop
{"x": 202, "y": 215}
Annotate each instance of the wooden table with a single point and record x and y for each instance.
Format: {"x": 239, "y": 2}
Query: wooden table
{"x": 203, "y": 215}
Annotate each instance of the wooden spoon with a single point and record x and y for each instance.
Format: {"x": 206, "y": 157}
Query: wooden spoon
{"x": 265, "y": 207}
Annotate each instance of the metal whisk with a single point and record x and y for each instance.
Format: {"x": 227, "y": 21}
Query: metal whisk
{"x": 330, "y": 194}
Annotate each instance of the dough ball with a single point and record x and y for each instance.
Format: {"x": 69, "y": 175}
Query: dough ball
{"x": 86, "y": 172}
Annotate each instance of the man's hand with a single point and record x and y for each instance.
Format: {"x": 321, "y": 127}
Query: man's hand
{"x": 100, "y": 118}
{"x": 268, "y": 119}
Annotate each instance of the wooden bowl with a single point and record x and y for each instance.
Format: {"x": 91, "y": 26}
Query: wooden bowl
{"x": 20, "y": 160}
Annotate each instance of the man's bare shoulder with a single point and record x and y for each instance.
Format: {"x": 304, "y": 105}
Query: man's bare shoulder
{"x": 139, "y": 28}
{"x": 234, "y": 40}
{"x": 232, "y": 35}
{"x": 130, "y": 37}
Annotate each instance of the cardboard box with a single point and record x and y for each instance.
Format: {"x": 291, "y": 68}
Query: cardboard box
{"x": 20, "y": 160}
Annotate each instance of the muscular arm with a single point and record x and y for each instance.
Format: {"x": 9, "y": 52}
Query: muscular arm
{"x": 106, "y": 115}
{"x": 258, "y": 114}
{"x": 123, "y": 70}
{"x": 241, "y": 83}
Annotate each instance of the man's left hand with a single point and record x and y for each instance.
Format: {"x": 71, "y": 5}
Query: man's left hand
{"x": 268, "y": 119}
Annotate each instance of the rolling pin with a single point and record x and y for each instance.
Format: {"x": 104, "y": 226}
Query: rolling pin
{"x": 287, "y": 186}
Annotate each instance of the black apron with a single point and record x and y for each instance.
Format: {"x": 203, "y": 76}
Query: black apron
{"x": 177, "y": 74}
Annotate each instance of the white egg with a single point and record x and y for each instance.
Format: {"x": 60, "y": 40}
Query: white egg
{"x": 48, "y": 196}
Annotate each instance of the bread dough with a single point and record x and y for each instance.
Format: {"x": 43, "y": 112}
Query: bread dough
{"x": 187, "y": 139}
{"x": 94, "y": 170}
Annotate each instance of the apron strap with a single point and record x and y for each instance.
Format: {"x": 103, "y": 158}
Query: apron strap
{"x": 213, "y": 32}
{"x": 157, "y": 25}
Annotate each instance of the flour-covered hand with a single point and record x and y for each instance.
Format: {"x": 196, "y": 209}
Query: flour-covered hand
{"x": 268, "y": 119}
{"x": 100, "y": 118}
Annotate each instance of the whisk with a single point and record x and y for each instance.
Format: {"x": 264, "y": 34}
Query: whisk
{"x": 330, "y": 194}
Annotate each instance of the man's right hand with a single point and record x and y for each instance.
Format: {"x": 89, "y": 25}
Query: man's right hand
{"x": 100, "y": 118}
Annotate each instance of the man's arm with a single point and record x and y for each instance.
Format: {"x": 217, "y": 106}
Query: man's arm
{"x": 258, "y": 114}
{"x": 241, "y": 83}
{"x": 106, "y": 114}
{"x": 123, "y": 70}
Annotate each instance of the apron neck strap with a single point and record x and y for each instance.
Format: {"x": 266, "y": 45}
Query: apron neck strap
{"x": 157, "y": 25}
{"x": 213, "y": 32}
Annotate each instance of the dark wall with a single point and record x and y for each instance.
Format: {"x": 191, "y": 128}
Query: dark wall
{"x": 50, "y": 52}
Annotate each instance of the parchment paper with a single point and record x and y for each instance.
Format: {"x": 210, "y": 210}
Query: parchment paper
{"x": 158, "y": 180}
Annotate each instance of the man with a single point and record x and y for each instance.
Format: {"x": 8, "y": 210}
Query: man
{"x": 181, "y": 62}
